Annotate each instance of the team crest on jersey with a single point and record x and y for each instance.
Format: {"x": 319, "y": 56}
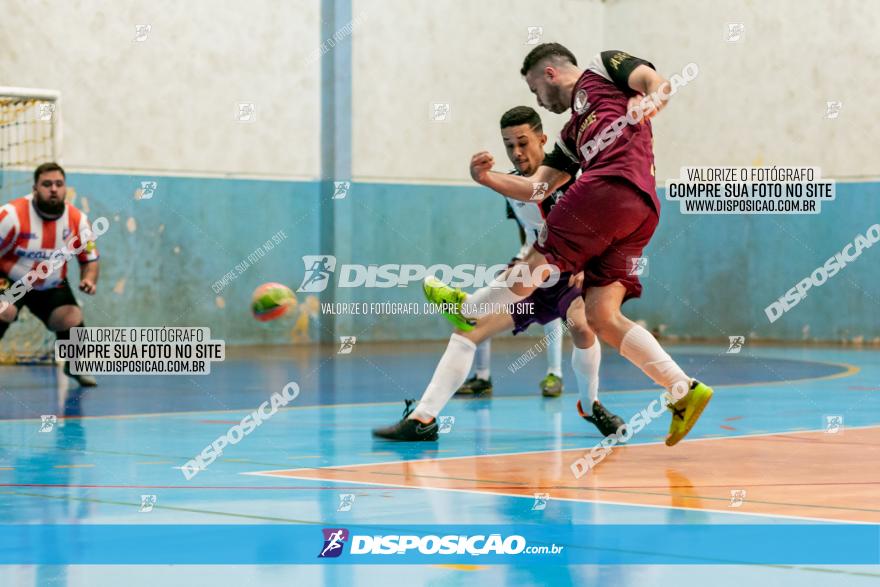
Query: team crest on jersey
{"x": 580, "y": 101}
{"x": 542, "y": 237}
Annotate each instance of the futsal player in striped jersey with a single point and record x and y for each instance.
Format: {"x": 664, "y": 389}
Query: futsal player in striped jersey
{"x": 32, "y": 228}
{"x": 524, "y": 140}
{"x": 606, "y": 218}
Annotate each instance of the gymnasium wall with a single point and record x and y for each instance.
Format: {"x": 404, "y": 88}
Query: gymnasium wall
{"x": 762, "y": 101}
{"x": 709, "y": 276}
{"x": 165, "y": 109}
{"x": 225, "y": 187}
{"x": 464, "y": 54}
{"x": 412, "y": 200}
{"x": 169, "y": 103}
{"x": 165, "y": 259}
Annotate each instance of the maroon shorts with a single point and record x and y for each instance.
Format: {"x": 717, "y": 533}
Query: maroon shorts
{"x": 546, "y": 304}
{"x": 599, "y": 226}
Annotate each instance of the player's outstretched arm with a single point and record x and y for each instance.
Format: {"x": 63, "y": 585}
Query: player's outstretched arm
{"x": 534, "y": 188}
{"x": 88, "y": 281}
{"x": 653, "y": 91}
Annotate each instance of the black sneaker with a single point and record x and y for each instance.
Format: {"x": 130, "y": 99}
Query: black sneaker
{"x": 475, "y": 386}
{"x": 407, "y": 429}
{"x": 83, "y": 380}
{"x": 605, "y": 421}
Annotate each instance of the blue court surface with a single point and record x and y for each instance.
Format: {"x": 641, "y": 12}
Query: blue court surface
{"x": 114, "y": 446}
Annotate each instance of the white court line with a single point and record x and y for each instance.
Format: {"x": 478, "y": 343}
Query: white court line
{"x": 551, "y": 451}
{"x": 849, "y": 371}
{"x": 276, "y": 473}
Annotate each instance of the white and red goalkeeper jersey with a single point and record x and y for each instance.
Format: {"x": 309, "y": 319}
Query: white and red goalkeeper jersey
{"x": 26, "y": 239}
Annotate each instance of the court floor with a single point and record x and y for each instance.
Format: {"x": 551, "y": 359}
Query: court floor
{"x": 792, "y": 435}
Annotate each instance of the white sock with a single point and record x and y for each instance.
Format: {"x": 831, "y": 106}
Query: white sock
{"x": 643, "y": 350}
{"x": 489, "y": 299}
{"x": 585, "y": 363}
{"x": 483, "y": 358}
{"x": 451, "y": 372}
{"x": 553, "y": 332}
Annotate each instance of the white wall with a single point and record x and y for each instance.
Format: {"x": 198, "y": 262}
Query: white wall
{"x": 761, "y": 100}
{"x": 409, "y": 55}
{"x": 169, "y": 103}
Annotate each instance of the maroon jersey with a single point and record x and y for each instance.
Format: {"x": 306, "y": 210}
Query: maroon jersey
{"x": 598, "y": 101}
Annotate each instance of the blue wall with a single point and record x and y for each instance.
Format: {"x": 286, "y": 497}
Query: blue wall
{"x": 713, "y": 275}
{"x": 214, "y": 224}
{"x": 709, "y": 276}
{"x": 418, "y": 224}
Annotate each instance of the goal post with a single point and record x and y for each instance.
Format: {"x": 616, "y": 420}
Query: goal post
{"x": 30, "y": 134}
{"x": 30, "y": 109}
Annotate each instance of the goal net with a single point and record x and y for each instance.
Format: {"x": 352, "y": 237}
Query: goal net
{"x": 30, "y": 134}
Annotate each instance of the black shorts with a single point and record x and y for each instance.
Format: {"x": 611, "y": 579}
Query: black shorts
{"x": 42, "y": 302}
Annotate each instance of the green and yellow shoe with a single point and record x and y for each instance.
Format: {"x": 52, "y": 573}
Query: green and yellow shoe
{"x": 687, "y": 410}
{"x": 551, "y": 385}
{"x": 450, "y": 300}
{"x": 475, "y": 387}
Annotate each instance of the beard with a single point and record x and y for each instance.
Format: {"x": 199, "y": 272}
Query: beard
{"x": 50, "y": 209}
{"x": 560, "y": 104}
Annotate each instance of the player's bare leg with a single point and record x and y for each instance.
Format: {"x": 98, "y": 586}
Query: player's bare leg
{"x": 61, "y": 320}
{"x": 420, "y": 422}
{"x": 8, "y": 312}
{"x": 64, "y": 318}
{"x": 688, "y": 396}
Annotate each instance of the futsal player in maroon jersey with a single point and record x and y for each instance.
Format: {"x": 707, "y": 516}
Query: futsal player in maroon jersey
{"x": 606, "y": 217}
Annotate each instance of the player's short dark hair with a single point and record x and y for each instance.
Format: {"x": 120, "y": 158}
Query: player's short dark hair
{"x": 46, "y": 168}
{"x": 522, "y": 115}
{"x": 543, "y": 51}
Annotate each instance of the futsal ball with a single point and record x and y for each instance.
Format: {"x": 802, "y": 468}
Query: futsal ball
{"x": 271, "y": 301}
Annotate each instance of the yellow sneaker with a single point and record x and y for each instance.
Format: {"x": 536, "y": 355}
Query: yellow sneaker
{"x": 450, "y": 299}
{"x": 686, "y": 411}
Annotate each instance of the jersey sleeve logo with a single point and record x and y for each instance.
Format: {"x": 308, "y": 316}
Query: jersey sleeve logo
{"x": 580, "y": 101}
{"x": 617, "y": 59}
